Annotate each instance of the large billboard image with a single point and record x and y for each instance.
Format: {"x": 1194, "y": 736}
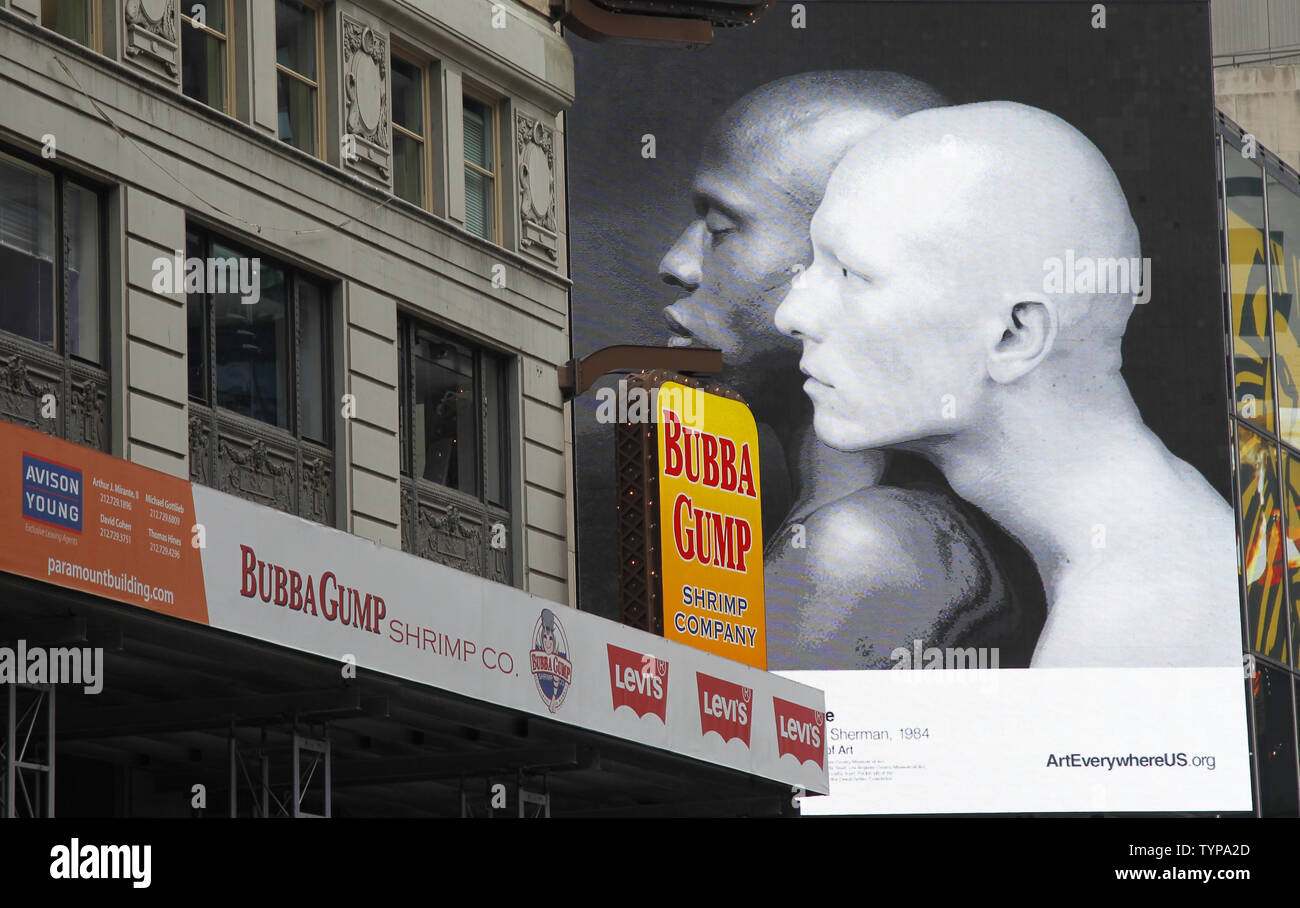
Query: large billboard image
{"x": 961, "y": 261}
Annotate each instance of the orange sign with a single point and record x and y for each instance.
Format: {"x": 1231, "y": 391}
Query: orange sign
{"x": 82, "y": 519}
{"x": 711, "y": 531}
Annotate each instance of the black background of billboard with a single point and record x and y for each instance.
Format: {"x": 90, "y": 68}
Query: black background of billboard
{"x": 1141, "y": 89}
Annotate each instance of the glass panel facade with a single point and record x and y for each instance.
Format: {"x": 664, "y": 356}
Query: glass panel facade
{"x": 83, "y": 275}
{"x": 480, "y": 185}
{"x": 408, "y": 131}
{"x": 297, "y": 113}
{"x": 295, "y": 37}
{"x": 27, "y": 292}
{"x": 1272, "y": 692}
{"x": 70, "y": 18}
{"x": 1248, "y": 286}
{"x": 295, "y": 52}
{"x": 1262, "y": 544}
{"x": 253, "y": 365}
{"x": 313, "y": 354}
{"x": 444, "y": 424}
{"x": 203, "y": 55}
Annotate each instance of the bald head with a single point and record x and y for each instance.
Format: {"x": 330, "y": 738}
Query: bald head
{"x": 798, "y": 127}
{"x": 926, "y": 311}
{"x": 1003, "y": 191}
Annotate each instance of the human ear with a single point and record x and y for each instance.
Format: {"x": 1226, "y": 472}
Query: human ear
{"x": 1029, "y": 336}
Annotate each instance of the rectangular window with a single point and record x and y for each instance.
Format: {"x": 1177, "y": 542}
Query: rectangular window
{"x": 73, "y": 19}
{"x": 35, "y": 294}
{"x": 454, "y": 408}
{"x": 52, "y": 300}
{"x": 455, "y": 451}
{"x": 242, "y": 351}
{"x": 205, "y": 52}
{"x": 480, "y": 167}
{"x": 27, "y": 292}
{"x": 410, "y": 142}
{"x": 297, "y": 46}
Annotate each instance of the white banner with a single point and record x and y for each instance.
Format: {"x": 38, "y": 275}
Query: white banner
{"x": 297, "y": 584}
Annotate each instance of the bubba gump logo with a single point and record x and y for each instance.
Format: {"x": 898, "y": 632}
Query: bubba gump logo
{"x": 549, "y": 660}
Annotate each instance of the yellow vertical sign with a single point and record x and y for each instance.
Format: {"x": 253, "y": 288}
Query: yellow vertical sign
{"x": 710, "y": 523}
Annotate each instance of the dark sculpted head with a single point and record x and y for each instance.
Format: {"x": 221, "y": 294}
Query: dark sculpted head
{"x": 761, "y": 176}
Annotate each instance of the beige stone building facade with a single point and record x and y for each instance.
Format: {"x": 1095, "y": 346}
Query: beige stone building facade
{"x": 395, "y": 170}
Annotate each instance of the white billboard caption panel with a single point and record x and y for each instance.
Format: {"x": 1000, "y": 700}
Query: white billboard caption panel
{"x": 1033, "y": 740}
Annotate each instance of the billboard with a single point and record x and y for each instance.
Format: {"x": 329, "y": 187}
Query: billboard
{"x": 191, "y": 552}
{"x": 961, "y": 261}
{"x": 710, "y": 523}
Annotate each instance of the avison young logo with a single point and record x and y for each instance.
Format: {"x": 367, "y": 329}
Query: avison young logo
{"x": 51, "y": 493}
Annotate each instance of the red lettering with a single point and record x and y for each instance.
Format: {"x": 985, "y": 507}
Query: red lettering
{"x": 328, "y": 608}
{"x": 728, "y": 477}
{"x": 309, "y": 596}
{"x": 672, "y": 444}
{"x": 692, "y": 445}
{"x": 704, "y": 546}
{"x": 744, "y": 539}
{"x": 248, "y": 580}
{"x": 281, "y": 586}
{"x": 683, "y": 535}
{"x": 710, "y": 456}
{"x": 295, "y": 591}
{"x": 745, "y": 486}
{"x": 380, "y": 611}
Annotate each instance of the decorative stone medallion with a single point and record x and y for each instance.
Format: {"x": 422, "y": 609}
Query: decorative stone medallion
{"x": 152, "y": 42}
{"x": 535, "y": 164}
{"x": 367, "y": 140}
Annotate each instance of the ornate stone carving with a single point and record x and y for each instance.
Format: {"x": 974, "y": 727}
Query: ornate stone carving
{"x": 152, "y": 41}
{"x": 367, "y": 148}
{"x": 200, "y": 449}
{"x": 535, "y": 164}
{"x": 317, "y": 502}
{"x": 254, "y": 471}
{"x": 446, "y": 539}
{"x": 21, "y": 390}
{"x": 443, "y": 527}
{"x": 85, "y": 417}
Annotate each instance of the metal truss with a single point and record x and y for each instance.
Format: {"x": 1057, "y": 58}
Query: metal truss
{"x": 27, "y": 773}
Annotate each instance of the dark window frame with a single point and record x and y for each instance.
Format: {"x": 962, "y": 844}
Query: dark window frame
{"x": 73, "y": 369}
{"x": 228, "y": 53}
{"x": 294, "y": 277}
{"x": 484, "y": 358}
{"x": 494, "y": 176}
{"x": 318, "y": 136}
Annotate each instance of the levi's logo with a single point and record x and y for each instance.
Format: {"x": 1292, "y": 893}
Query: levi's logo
{"x": 800, "y": 732}
{"x": 725, "y": 707}
{"x": 638, "y": 681}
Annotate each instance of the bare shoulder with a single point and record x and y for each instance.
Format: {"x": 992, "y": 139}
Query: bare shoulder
{"x": 884, "y": 534}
